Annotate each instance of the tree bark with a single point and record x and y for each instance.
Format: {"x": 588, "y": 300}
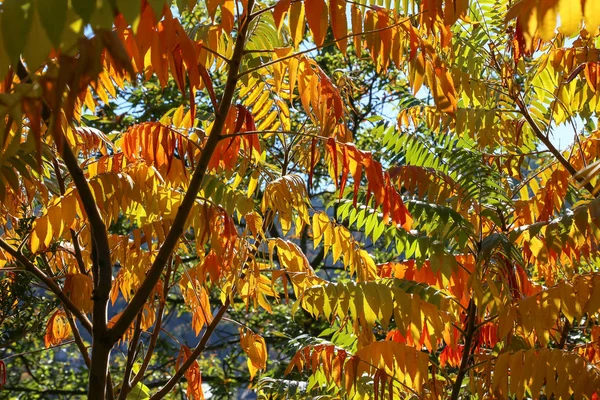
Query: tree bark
{"x": 464, "y": 363}
{"x": 99, "y": 370}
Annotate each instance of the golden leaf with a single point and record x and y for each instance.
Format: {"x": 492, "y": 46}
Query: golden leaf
{"x": 57, "y": 329}
{"x": 255, "y": 347}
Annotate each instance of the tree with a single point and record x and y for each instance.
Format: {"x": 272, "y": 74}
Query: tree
{"x": 463, "y": 246}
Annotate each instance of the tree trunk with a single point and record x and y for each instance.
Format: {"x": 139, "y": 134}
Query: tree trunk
{"x": 99, "y": 369}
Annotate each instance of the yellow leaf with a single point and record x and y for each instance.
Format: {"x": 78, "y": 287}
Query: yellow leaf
{"x": 592, "y": 15}
{"x": 287, "y": 195}
{"x": 253, "y": 183}
{"x": 255, "y": 347}
{"x": 370, "y": 307}
{"x": 570, "y": 16}
{"x": 41, "y": 234}
{"x": 320, "y": 222}
{"x": 297, "y": 22}
{"x": 178, "y": 116}
{"x": 417, "y": 72}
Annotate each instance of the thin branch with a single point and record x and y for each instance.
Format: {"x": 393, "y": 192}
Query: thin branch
{"x": 293, "y": 133}
{"x": 37, "y": 351}
{"x": 540, "y": 135}
{"x": 131, "y": 354}
{"x": 45, "y": 392}
{"x": 53, "y": 287}
{"x": 195, "y": 354}
{"x": 266, "y": 9}
{"x": 155, "y": 333}
{"x": 179, "y": 223}
{"x": 216, "y": 53}
{"x": 490, "y": 319}
{"x": 351, "y": 35}
{"x": 74, "y": 237}
{"x": 469, "y": 334}
{"x": 78, "y": 340}
{"x": 211, "y": 327}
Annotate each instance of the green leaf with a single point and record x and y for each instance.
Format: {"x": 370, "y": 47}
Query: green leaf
{"x": 210, "y": 185}
{"x": 103, "y": 17}
{"x": 139, "y": 392}
{"x": 72, "y": 32}
{"x": 378, "y": 231}
{"x": 53, "y": 16}
{"x": 157, "y": 6}
{"x": 16, "y": 22}
{"x": 4, "y": 60}
{"x": 85, "y": 8}
{"x": 131, "y": 10}
{"x": 38, "y": 46}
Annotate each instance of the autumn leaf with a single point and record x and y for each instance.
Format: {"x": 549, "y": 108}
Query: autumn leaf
{"x": 192, "y": 376}
{"x": 79, "y": 288}
{"x": 255, "y": 348}
{"x": 396, "y": 164}
{"x": 58, "y": 329}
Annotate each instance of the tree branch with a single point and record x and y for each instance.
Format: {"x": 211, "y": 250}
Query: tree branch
{"x": 351, "y": 35}
{"x": 464, "y": 363}
{"x": 78, "y": 340}
{"x": 179, "y": 223}
{"x": 544, "y": 139}
{"x": 53, "y": 287}
{"x": 154, "y": 338}
{"x": 101, "y": 264}
{"x": 213, "y": 325}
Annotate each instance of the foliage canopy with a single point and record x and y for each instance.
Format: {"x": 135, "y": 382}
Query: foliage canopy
{"x": 383, "y": 171}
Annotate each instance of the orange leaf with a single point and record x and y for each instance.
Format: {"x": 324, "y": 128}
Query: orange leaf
{"x": 255, "y": 347}
{"x": 211, "y": 6}
{"x": 317, "y": 18}
{"x": 281, "y": 9}
{"x": 339, "y": 23}
{"x": 78, "y": 287}
{"x": 357, "y": 28}
{"x": 192, "y": 375}
{"x": 57, "y": 329}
